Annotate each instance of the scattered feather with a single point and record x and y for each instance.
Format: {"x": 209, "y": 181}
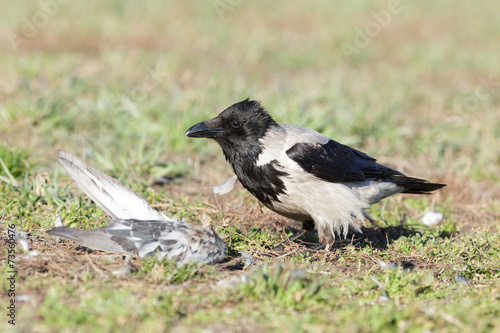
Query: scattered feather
{"x": 461, "y": 279}
{"x": 226, "y": 186}
{"x": 126, "y": 268}
{"x": 404, "y": 265}
{"x": 232, "y": 282}
{"x": 432, "y": 218}
{"x": 22, "y": 238}
{"x": 386, "y": 266}
{"x": 58, "y": 222}
{"x": 384, "y": 297}
{"x": 249, "y": 260}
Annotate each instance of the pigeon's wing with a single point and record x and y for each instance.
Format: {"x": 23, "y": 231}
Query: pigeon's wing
{"x": 141, "y": 237}
{"x": 97, "y": 239}
{"x": 115, "y": 199}
{"x": 331, "y": 161}
{"x": 178, "y": 241}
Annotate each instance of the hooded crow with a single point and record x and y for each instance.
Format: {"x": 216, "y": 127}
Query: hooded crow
{"x": 136, "y": 227}
{"x": 300, "y": 173}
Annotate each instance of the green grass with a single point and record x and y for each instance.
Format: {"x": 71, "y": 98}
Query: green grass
{"x": 118, "y": 83}
{"x": 13, "y": 164}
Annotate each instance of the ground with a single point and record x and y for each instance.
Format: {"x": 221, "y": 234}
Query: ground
{"x": 415, "y": 84}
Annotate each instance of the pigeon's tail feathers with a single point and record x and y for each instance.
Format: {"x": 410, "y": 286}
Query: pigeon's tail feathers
{"x": 416, "y": 185}
{"x": 115, "y": 199}
{"x": 96, "y": 239}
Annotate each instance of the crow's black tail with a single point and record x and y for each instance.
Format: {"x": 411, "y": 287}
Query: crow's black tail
{"x": 416, "y": 185}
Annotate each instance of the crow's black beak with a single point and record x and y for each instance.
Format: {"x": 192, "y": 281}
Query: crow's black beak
{"x": 201, "y": 130}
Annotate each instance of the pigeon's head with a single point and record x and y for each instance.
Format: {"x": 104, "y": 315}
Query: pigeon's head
{"x": 241, "y": 123}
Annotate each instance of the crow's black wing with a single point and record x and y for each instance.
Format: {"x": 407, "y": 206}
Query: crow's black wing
{"x": 333, "y": 162}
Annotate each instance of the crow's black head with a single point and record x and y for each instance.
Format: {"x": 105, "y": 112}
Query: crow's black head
{"x": 237, "y": 130}
{"x": 236, "y": 127}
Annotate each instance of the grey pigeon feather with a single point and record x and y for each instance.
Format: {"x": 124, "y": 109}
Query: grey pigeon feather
{"x": 136, "y": 226}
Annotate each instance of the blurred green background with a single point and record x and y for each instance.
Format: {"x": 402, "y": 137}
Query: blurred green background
{"x": 416, "y": 81}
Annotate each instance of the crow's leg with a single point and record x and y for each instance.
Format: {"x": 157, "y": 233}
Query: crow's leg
{"x": 307, "y": 227}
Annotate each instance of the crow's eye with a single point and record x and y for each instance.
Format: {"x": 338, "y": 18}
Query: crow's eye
{"x": 236, "y": 124}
